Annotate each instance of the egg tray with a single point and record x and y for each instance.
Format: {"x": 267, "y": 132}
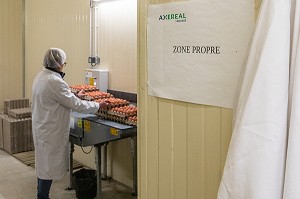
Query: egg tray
{"x": 76, "y": 90}
{"x": 108, "y": 111}
{"x": 94, "y": 98}
{"x": 123, "y": 111}
{"x": 119, "y": 114}
{"x": 115, "y": 118}
{"x": 130, "y": 121}
{"x": 110, "y": 106}
{"x": 20, "y": 113}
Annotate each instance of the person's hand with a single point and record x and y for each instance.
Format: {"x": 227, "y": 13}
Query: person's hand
{"x": 105, "y": 104}
{"x": 81, "y": 94}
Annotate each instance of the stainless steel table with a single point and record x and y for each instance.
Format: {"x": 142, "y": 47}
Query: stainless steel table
{"x": 90, "y": 130}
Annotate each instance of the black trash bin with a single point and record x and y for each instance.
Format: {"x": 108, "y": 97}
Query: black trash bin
{"x": 85, "y": 183}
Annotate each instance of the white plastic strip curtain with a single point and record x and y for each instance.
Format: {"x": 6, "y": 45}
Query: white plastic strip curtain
{"x": 255, "y": 163}
{"x": 292, "y": 176}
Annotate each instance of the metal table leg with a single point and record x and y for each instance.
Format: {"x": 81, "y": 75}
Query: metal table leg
{"x": 134, "y": 159}
{"x": 98, "y": 166}
{"x": 71, "y": 186}
{"x": 104, "y": 176}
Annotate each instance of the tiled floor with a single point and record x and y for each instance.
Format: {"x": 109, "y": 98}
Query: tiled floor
{"x": 18, "y": 181}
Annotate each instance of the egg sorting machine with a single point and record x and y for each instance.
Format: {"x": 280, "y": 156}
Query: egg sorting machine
{"x": 91, "y": 130}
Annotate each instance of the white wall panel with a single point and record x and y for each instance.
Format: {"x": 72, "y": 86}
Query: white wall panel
{"x": 182, "y": 147}
{"x": 117, "y": 47}
{"x": 65, "y": 24}
{"x": 62, "y": 24}
{"x": 118, "y": 42}
{"x": 11, "y": 52}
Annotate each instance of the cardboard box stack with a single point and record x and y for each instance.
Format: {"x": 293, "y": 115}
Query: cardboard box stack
{"x": 20, "y": 113}
{"x": 15, "y": 126}
{"x": 1, "y": 131}
{"x": 15, "y": 104}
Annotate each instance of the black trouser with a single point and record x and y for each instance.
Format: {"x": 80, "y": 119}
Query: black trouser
{"x": 43, "y": 188}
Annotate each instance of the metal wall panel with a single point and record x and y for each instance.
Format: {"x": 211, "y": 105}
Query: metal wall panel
{"x": 62, "y": 24}
{"x": 118, "y": 42}
{"x": 65, "y": 24}
{"x": 182, "y": 147}
{"x": 11, "y": 64}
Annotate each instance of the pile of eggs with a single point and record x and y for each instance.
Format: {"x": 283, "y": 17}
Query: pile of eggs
{"x": 86, "y": 88}
{"x": 92, "y": 96}
{"x": 124, "y": 111}
{"x": 118, "y": 109}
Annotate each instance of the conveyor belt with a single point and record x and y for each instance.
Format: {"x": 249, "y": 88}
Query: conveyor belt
{"x": 88, "y": 130}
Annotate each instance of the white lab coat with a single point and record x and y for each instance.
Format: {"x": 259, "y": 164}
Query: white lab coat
{"x": 52, "y": 102}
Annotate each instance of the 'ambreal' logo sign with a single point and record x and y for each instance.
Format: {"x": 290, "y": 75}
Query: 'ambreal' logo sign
{"x": 177, "y": 17}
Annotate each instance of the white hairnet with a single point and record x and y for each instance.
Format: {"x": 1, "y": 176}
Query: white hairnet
{"x": 54, "y": 58}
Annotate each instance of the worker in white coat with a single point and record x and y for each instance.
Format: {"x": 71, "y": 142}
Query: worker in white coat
{"x": 52, "y": 102}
